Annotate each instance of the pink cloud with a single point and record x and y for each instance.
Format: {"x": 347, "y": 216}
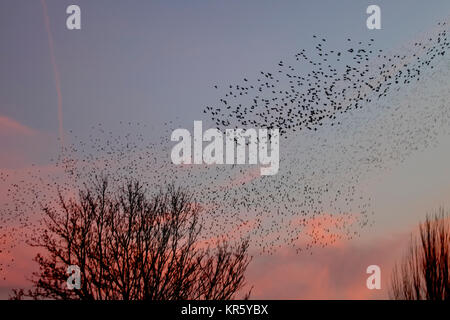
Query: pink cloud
{"x": 9, "y": 126}
{"x": 21, "y": 145}
{"x": 243, "y": 177}
{"x": 326, "y": 273}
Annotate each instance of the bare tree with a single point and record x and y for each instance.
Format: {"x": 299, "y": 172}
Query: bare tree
{"x": 129, "y": 246}
{"x": 423, "y": 274}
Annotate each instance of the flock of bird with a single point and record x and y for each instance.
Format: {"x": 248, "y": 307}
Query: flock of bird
{"x": 329, "y": 82}
{"x": 349, "y": 114}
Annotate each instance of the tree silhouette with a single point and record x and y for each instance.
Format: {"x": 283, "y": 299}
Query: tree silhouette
{"x": 130, "y": 246}
{"x": 423, "y": 274}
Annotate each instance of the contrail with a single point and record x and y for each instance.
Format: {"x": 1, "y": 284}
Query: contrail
{"x": 55, "y": 71}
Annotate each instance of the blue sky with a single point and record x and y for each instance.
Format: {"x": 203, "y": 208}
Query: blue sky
{"x": 153, "y": 60}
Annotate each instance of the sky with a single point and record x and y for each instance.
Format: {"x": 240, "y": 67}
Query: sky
{"x": 157, "y": 61}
